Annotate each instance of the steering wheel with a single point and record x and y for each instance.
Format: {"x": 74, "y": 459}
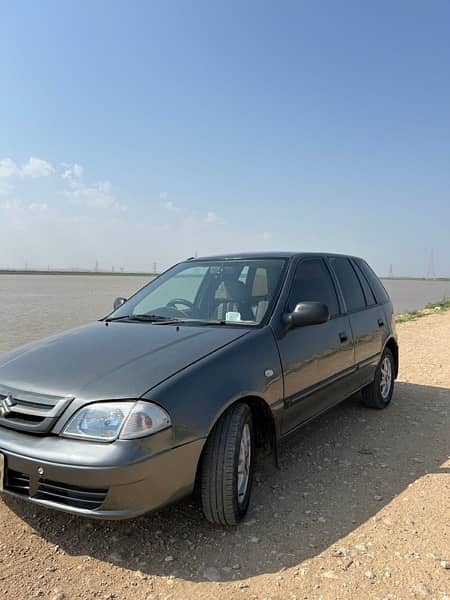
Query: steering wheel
{"x": 172, "y": 304}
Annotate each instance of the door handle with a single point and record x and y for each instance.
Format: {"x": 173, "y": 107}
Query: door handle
{"x": 380, "y": 323}
{"x": 343, "y": 336}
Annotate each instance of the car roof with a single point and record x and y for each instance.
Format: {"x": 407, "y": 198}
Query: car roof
{"x": 262, "y": 255}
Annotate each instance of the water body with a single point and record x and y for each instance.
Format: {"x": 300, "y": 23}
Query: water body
{"x": 34, "y": 306}
{"x": 414, "y": 294}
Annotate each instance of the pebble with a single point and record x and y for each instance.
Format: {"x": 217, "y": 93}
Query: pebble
{"x": 378, "y": 498}
{"x": 370, "y": 574}
{"x": 242, "y": 586}
{"x": 141, "y": 575}
{"x": 329, "y": 575}
{"x": 169, "y": 558}
{"x": 341, "y": 552}
{"x": 445, "y": 564}
{"x": 254, "y": 540}
{"x": 422, "y": 589}
{"x": 59, "y": 596}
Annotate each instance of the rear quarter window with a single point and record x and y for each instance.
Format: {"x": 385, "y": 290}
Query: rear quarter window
{"x": 378, "y": 288}
{"x": 368, "y": 293}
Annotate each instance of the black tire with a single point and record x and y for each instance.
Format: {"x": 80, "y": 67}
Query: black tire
{"x": 372, "y": 395}
{"x": 219, "y": 468}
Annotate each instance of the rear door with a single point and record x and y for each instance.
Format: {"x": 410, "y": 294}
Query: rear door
{"x": 315, "y": 358}
{"x": 366, "y": 317}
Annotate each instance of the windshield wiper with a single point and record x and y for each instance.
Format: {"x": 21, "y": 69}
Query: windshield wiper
{"x": 153, "y": 319}
{"x": 109, "y": 319}
{"x": 145, "y": 318}
{"x": 160, "y": 320}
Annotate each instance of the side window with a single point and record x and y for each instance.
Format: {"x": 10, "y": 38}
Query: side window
{"x": 349, "y": 282}
{"x": 378, "y": 288}
{"x": 370, "y": 298}
{"x": 313, "y": 283}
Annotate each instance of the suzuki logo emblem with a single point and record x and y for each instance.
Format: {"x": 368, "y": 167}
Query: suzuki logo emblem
{"x": 6, "y": 406}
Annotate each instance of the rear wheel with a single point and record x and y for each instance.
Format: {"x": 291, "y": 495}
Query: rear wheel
{"x": 227, "y": 467}
{"x": 379, "y": 393}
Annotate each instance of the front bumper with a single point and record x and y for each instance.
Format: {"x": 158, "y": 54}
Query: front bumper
{"x": 106, "y": 481}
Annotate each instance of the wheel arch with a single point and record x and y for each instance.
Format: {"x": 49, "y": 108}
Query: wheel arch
{"x": 265, "y": 427}
{"x": 393, "y": 347}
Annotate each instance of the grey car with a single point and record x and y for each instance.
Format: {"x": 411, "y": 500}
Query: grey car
{"x": 179, "y": 386}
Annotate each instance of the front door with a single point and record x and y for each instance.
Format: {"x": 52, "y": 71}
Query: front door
{"x": 315, "y": 358}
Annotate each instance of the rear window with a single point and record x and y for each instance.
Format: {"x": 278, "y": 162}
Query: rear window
{"x": 351, "y": 288}
{"x": 378, "y": 289}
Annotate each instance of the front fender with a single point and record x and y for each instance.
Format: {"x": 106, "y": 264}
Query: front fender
{"x": 196, "y": 397}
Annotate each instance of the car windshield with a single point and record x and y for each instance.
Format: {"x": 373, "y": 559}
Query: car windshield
{"x": 214, "y": 292}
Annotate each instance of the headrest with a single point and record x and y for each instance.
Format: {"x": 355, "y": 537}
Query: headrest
{"x": 230, "y": 290}
{"x": 260, "y": 286}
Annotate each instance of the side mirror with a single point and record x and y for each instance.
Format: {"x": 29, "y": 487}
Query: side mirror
{"x": 307, "y": 313}
{"x": 118, "y": 302}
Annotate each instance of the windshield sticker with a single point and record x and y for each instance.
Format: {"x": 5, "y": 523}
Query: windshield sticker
{"x": 233, "y": 316}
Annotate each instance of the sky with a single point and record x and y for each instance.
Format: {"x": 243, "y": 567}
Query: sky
{"x": 141, "y": 132}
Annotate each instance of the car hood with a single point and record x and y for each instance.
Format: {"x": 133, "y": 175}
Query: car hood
{"x": 110, "y": 360}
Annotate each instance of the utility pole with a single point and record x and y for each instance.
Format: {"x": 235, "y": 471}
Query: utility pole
{"x": 391, "y": 271}
{"x": 154, "y": 267}
{"x": 431, "y": 272}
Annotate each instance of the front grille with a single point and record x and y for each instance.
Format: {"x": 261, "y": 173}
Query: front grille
{"x": 28, "y": 411}
{"x": 54, "y": 491}
{"x": 71, "y": 495}
{"x": 16, "y": 482}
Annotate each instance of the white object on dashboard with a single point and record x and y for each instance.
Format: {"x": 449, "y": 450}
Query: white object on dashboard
{"x": 232, "y": 316}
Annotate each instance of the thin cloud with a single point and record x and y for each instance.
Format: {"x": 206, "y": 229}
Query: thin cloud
{"x": 33, "y": 167}
{"x": 212, "y": 218}
{"x": 170, "y": 206}
{"x": 98, "y": 195}
{"x": 72, "y": 171}
{"x": 38, "y": 206}
{"x": 8, "y": 168}
{"x": 37, "y": 167}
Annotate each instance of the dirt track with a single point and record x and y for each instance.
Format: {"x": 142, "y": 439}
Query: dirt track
{"x": 359, "y": 509}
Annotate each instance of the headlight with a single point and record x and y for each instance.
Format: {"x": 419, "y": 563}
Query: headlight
{"x": 107, "y": 421}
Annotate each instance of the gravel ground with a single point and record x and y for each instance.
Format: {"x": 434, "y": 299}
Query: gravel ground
{"x": 360, "y": 508}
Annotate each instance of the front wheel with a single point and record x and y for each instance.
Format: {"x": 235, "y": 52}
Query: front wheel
{"x": 227, "y": 467}
{"x": 379, "y": 393}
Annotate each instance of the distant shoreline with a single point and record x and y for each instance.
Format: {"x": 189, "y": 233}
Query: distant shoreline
{"x": 95, "y": 273}
{"x": 415, "y": 278}
{"x": 146, "y": 274}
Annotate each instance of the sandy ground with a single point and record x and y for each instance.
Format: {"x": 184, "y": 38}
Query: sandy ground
{"x": 359, "y": 509}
